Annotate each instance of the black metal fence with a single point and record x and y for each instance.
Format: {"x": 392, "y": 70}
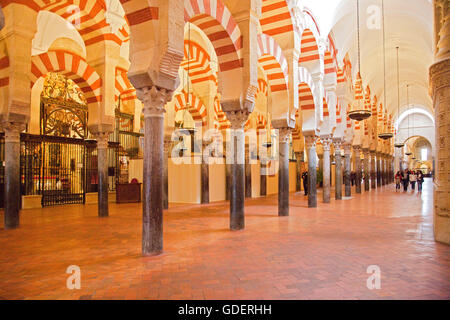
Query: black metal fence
{"x": 60, "y": 169}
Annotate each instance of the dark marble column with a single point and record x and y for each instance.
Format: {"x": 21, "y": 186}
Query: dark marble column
{"x": 167, "y": 144}
{"x": 263, "y": 181}
{"x": 383, "y": 170}
{"x": 357, "y": 150}
{"x": 312, "y": 171}
{"x": 298, "y": 173}
{"x": 236, "y": 154}
{"x": 379, "y": 169}
{"x": 283, "y": 174}
{"x": 204, "y": 185}
{"x": 338, "y": 169}
{"x": 154, "y": 100}
{"x": 248, "y": 173}
{"x": 326, "y": 142}
{"x": 366, "y": 169}
{"x": 102, "y": 157}
{"x": 348, "y": 169}
{"x": 373, "y": 177}
{"x": 12, "y": 196}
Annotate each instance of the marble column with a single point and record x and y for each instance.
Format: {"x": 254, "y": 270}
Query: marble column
{"x": 373, "y": 173}
{"x": 298, "y": 173}
{"x": 338, "y": 170}
{"x": 312, "y": 171}
{"x": 357, "y": 150}
{"x": 366, "y": 169}
{"x": 283, "y": 174}
{"x": 348, "y": 169}
{"x": 154, "y": 100}
{"x": 440, "y": 88}
{"x": 237, "y": 172}
{"x": 248, "y": 173}
{"x": 12, "y": 196}
{"x": 326, "y": 142}
{"x": 102, "y": 167}
{"x": 379, "y": 169}
{"x": 263, "y": 179}
{"x": 320, "y": 157}
{"x": 204, "y": 180}
{"x": 383, "y": 171}
{"x": 167, "y": 144}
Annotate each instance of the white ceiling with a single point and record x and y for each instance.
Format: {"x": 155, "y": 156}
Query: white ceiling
{"x": 409, "y": 25}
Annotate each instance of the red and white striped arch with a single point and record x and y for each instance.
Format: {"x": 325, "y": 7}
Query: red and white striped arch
{"x": 261, "y": 122}
{"x": 330, "y": 63}
{"x": 326, "y": 112}
{"x": 276, "y": 18}
{"x": 197, "y": 109}
{"x": 4, "y": 66}
{"x": 338, "y": 113}
{"x": 222, "y": 122}
{"x": 88, "y": 16}
{"x": 197, "y": 62}
{"x": 216, "y": 21}
{"x": 262, "y": 87}
{"x": 309, "y": 49}
{"x": 123, "y": 86}
{"x": 73, "y": 67}
{"x": 272, "y": 60}
{"x": 305, "y": 90}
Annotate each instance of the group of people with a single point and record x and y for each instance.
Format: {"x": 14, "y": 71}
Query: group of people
{"x": 409, "y": 177}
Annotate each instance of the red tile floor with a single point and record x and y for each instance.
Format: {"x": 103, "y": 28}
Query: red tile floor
{"x": 318, "y": 253}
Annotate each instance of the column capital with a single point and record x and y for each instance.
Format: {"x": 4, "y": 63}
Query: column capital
{"x": 357, "y": 148}
{"x": 347, "y": 149}
{"x": 154, "y": 99}
{"x": 310, "y": 141}
{"x": 284, "y": 134}
{"x": 237, "y": 118}
{"x": 366, "y": 151}
{"x": 337, "y": 144}
{"x": 326, "y": 143}
{"x": 102, "y": 139}
{"x": 12, "y": 130}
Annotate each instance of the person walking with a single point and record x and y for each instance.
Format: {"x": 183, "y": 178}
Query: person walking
{"x": 419, "y": 181}
{"x": 305, "y": 182}
{"x": 398, "y": 180}
{"x": 405, "y": 180}
{"x": 412, "y": 180}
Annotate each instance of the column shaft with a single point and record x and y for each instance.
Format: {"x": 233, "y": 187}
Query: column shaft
{"x": 326, "y": 170}
{"x": 102, "y": 151}
{"x": 347, "y": 170}
{"x": 12, "y": 194}
{"x": 283, "y": 175}
{"x": 357, "y": 150}
{"x": 373, "y": 178}
{"x": 237, "y": 180}
{"x": 312, "y": 171}
{"x": 366, "y": 170}
{"x": 338, "y": 172}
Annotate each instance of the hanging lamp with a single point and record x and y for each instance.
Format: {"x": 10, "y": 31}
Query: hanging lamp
{"x": 359, "y": 114}
{"x": 384, "y": 135}
{"x": 268, "y": 143}
{"x": 408, "y": 153}
{"x": 398, "y": 144}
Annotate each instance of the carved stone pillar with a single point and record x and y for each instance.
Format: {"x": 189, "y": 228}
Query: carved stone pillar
{"x": 236, "y": 154}
{"x": 154, "y": 100}
{"x": 440, "y": 89}
{"x": 298, "y": 173}
{"x": 338, "y": 170}
{"x": 373, "y": 174}
{"x": 248, "y": 173}
{"x": 310, "y": 142}
{"x": 326, "y": 142}
{"x": 283, "y": 174}
{"x": 348, "y": 169}
{"x": 379, "y": 169}
{"x": 167, "y": 144}
{"x": 366, "y": 169}
{"x": 102, "y": 167}
{"x": 357, "y": 150}
{"x": 12, "y": 195}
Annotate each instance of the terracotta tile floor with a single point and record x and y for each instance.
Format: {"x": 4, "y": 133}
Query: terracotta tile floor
{"x": 318, "y": 253}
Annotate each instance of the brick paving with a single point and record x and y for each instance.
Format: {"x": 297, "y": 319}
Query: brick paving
{"x": 318, "y": 253}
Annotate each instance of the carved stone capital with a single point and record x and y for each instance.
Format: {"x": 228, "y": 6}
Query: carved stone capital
{"x": 347, "y": 149}
{"x": 310, "y": 141}
{"x": 439, "y": 76}
{"x": 154, "y": 99}
{"x": 102, "y": 139}
{"x": 12, "y": 130}
{"x": 357, "y": 149}
{"x": 284, "y": 134}
{"x": 326, "y": 142}
{"x": 237, "y": 118}
{"x": 337, "y": 143}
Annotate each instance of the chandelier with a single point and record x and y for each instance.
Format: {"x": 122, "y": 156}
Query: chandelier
{"x": 384, "y": 135}
{"x": 359, "y": 113}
